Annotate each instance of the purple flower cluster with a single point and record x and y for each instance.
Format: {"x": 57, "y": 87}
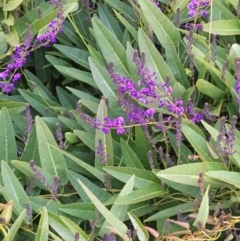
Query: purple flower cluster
{"x": 19, "y": 57}
{"x": 54, "y": 27}
{"x": 198, "y": 6}
{"x": 192, "y": 114}
{"x": 147, "y": 91}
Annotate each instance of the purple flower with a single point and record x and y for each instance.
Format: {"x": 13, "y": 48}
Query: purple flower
{"x": 6, "y": 87}
{"x": 16, "y": 77}
{"x": 150, "y": 112}
{"x": 195, "y": 6}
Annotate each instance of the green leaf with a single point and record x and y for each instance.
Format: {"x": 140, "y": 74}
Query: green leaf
{"x": 8, "y": 147}
{"x": 40, "y": 104}
{"x": 109, "y": 21}
{"x": 181, "y": 4}
{"x": 188, "y": 174}
{"x": 56, "y": 238}
{"x": 203, "y": 212}
{"x": 70, "y": 32}
{"x": 209, "y": 89}
{"x": 13, "y": 190}
{"x": 42, "y": 231}
{"x": 42, "y": 72}
{"x": 117, "y": 209}
{"x": 113, "y": 220}
{"x": 3, "y": 43}
{"x": 106, "y": 139}
{"x": 111, "y": 48}
{"x": 71, "y": 137}
{"x": 123, "y": 8}
{"x": 143, "y": 146}
{"x": 74, "y": 228}
{"x": 101, "y": 194}
{"x": 91, "y": 170}
{"x": 142, "y": 194}
{"x": 223, "y": 12}
{"x": 12, "y": 106}
{"x": 169, "y": 212}
{"x": 168, "y": 35}
{"x": 227, "y": 27}
{"x": 129, "y": 156}
{"x": 198, "y": 143}
{"x": 38, "y": 87}
{"x": 65, "y": 98}
{"x": 11, "y": 5}
{"x": 77, "y": 55}
{"x": 15, "y": 226}
{"x": 232, "y": 178}
{"x": 50, "y": 158}
{"x": 25, "y": 168}
{"x": 104, "y": 83}
{"x": 184, "y": 150}
{"x": 31, "y": 150}
{"x": 81, "y": 24}
{"x": 143, "y": 177}
{"x": 127, "y": 25}
{"x": 131, "y": 65}
{"x": 85, "y": 211}
{"x": 142, "y": 232}
{"x": 153, "y": 59}
{"x": 86, "y": 137}
{"x": 59, "y": 226}
{"x": 83, "y": 96}
{"x": 12, "y": 37}
{"x": 77, "y": 74}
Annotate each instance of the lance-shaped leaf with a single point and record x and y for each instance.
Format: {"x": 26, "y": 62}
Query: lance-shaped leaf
{"x": 118, "y": 225}
{"x": 85, "y": 211}
{"x": 15, "y": 227}
{"x": 142, "y": 179}
{"x": 142, "y": 232}
{"x": 224, "y": 27}
{"x": 104, "y": 83}
{"x": 198, "y": 142}
{"x": 188, "y": 174}
{"x": 142, "y": 194}
{"x": 110, "y": 46}
{"x": 153, "y": 59}
{"x": 90, "y": 169}
{"x": 13, "y": 190}
{"x": 203, "y": 210}
{"x": 101, "y": 194}
{"x": 74, "y": 228}
{"x": 8, "y": 147}
{"x": 168, "y": 35}
{"x": 130, "y": 157}
{"x": 117, "y": 209}
{"x": 59, "y": 226}
{"x": 50, "y": 158}
{"x": 42, "y": 231}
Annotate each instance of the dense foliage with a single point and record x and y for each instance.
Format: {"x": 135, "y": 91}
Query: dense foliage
{"x": 119, "y": 120}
